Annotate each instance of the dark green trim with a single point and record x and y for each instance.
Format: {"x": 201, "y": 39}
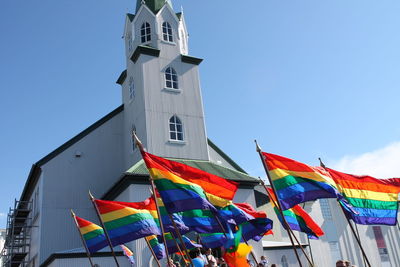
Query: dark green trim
{"x": 34, "y": 174}
{"x": 261, "y": 198}
{"x": 130, "y": 16}
{"x": 133, "y": 179}
{"x": 55, "y": 256}
{"x": 225, "y": 156}
{"x": 122, "y": 77}
{"x": 146, "y": 50}
{"x": 191, "y": 60}
{"x": 179, "y": 15}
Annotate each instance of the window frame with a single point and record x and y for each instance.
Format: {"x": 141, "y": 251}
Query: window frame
{"x": 174, "y": 123}
{"x": 167, "y": 32}
{"x": 131, "y": 86}
{"x": 171, "y": 79}
{"x": 145, "y": 32}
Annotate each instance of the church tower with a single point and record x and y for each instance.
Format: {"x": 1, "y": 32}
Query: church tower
{"x": 161, "y": 86}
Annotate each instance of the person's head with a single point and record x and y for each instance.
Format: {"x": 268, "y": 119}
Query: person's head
{"x": 177, "y": 264}
{"x": 194, "y": 253}
{"x": 340, "y": 263}
{"x": 260, "y": 265}
{"x": 348, "y": 264}
{"x": 273, "y": 265}
{"x": 262, "y": 258}
{"x": 208, "y": 251}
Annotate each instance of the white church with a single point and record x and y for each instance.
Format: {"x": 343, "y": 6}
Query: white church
{"x": 162, "y": 102}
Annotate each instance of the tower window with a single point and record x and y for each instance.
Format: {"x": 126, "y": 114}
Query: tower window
{"x": 131, "y": 88}
{"x": 130, "y": 42}
{"x": 167, "y": 32}
{"x": 171, "y": 78}
{"x": 175, "y": 129}
{"x": 145, "y": 32}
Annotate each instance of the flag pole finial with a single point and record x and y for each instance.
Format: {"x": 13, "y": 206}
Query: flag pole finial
{"x": 91, "y": 196}
{"x": 321, "y": 163}
{"x": 258, "y": 148}
{"x": 73, "y": 213}
{"x": 138, "y": 143}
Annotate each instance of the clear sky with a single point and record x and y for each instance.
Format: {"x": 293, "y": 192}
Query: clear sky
{"x": 307, "y": 79}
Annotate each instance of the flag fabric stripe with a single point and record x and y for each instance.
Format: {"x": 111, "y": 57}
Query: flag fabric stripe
{"x": 94, "y": 239}
{"x": 136, "y": 224}
{"x": 297, "y": 182}
{"x": 297, "y": 218}
{"x": 374, "y": 200}
{"x": 213, "y": 240}
{"x": 184, "y": 188}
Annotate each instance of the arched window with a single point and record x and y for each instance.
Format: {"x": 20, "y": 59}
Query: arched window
{"x": 175, "y": 129}
{"x": 131, "y": 88}
{"x": 171, "y": 78}
{"x": 167, "y": 32}
{"x": 145, "y": 32}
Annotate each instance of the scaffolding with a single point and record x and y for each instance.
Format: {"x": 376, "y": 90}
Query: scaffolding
{"x": 18, "y": 235}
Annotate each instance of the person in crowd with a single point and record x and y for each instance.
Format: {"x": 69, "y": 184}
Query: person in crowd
{"x": 196, "y": 258}
{"x": 273, "y": 265}
{"x": 251, "y": 263}
{"x": 341, "y": 263}
{"x": 171, "y": 263}
{"x": 264, "y": 261}
{"x": 211, "y": 261}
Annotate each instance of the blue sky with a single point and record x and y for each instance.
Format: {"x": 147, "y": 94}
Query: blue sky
{"x": 307, "y": 79}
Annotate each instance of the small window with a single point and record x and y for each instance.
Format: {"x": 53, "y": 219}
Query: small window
{"x": 171, "y": 78}
{"x": 167, "y": 32}
{"x": 145, "y": 32}
{"x": 131, "y": 88}
{"x": 175, "y": 129}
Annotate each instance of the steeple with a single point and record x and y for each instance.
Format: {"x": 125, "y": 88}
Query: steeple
{"x": 153, "y": 5}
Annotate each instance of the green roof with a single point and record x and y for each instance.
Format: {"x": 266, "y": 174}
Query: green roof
{"x": 140, "y": 169}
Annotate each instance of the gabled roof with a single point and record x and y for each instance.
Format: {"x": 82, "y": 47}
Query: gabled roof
{"x": 36, "y": 170}
{"x": 153, "y": 5}
{"x": 207, "y": 166}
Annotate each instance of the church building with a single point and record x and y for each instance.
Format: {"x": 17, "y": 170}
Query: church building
{"x": 162, "y": 102}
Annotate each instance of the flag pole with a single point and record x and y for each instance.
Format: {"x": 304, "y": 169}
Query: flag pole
{"x": 310, "y": 261}
{"x": 180, "y": 239}
{"x": 351, "y": 226}
{"x": 152, "y": 252}
{"x": 83, "y": 240}
{"x": 358, "y": 235}
{"x": 251, "y": 251}
{"x": 279, "y": 204}
{"x": 104, "y": 228}
{"x": 180, "y": 251}
{"x": 309, "y": 243}
{"x": 153, "y": 187}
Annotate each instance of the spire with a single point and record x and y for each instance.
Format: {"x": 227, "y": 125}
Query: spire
{"x": 153, "y": 5}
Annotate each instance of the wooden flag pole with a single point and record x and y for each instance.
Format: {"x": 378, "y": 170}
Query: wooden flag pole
{"x": 153, "y": 188}
{"x": 180, "y": 239}
{"x": 351, "y": 226}
{"x": 104, "y": 228}
{"x": 278, "y": 202}
{"x": 310, "y": 261}
{"x": 184, "y": 254}
{"x": 309, "y": 243}
{"x": 152, "y": 252}
{"x": 83, "y": 240}
{"x": 251, "y": 251}
{"x": 358, "y": 235}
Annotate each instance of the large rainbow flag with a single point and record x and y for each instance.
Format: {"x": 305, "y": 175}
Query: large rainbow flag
{"x": 375, "y": 200}
{"x": 172, "y": 240}
{"x": 185, "y": 188}
{"x": 297, "y": 219}
{"x": 297, "y": 182}
{"x": 124, "y": 224}
{"x": 212, "y": 240}
{"x": 92, "y": 234}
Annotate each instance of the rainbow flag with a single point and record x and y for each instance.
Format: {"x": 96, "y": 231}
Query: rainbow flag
{"x": 124, "y": 224}
{"x": 298, "y": 219}
{"x": 92, "y": 234}
{"x": 297, "y": 182}
{"x": 375, "y": 200}
{"x": 185, "y": 188}
{"x": 129, "y": 254}
{"x": 156, "y": 246}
